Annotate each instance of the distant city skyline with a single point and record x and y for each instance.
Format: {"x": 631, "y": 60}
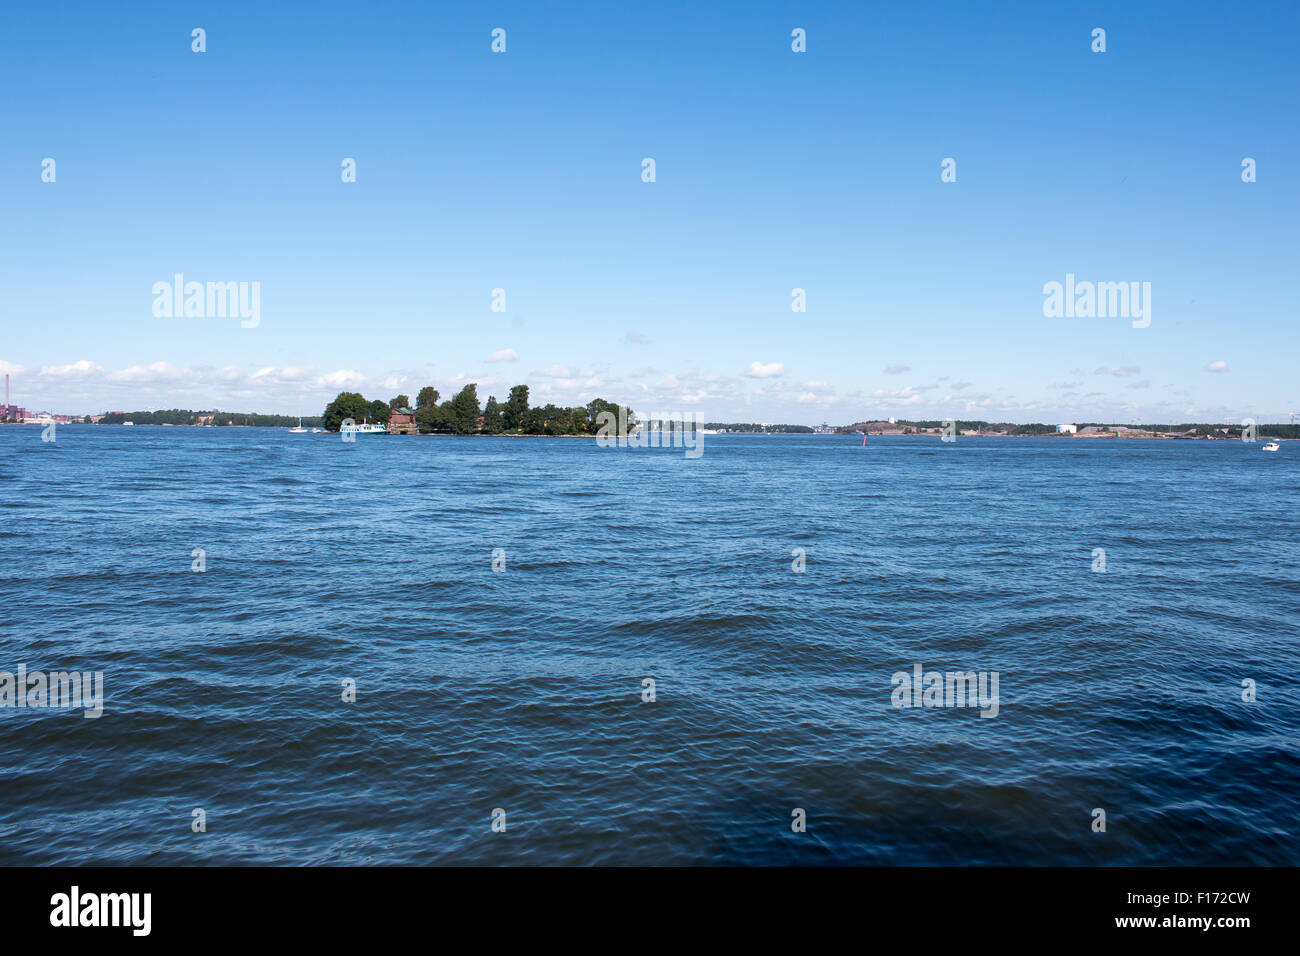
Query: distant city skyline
{"x": 501, "y": 228}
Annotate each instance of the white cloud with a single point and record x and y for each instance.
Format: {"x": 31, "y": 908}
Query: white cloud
{"x": 897, "y": 369}
{"x": 82, "y": 369}
{"x": 559, "y": 371}
{"x": 634, "y": 336}
{"x": 154, "y": 372}
{"x": 1119, "y": 371}
{"x": 503, "y": 355}
{"x": 343, "y": 379}
{"x": 901, "y": 396}
{"x": 1219, "y": 366}
{"x": 761, "y": 370}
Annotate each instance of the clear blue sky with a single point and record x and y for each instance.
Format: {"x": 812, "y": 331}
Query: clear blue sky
{"x": 775, "y": 170}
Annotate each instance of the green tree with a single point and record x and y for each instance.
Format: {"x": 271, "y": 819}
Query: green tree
{"x": 434, "y": 418}
{"x": 547, "y": 420}
{"x": 532, "y": 422}
{"x": 427, "y": 397}
{"x": 577, "y": 421}
{"x": 380, "y": 412}
{"x": 400, "y": 401}
{"x": 492, "y": 423}
{"x": 596, "y": 406}
{"x": 465, "y": 410}
{"x": 351, "y": 405}
{"x": 516, "y": 409}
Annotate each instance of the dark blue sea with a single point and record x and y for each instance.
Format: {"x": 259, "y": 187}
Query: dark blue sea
{"x": 521, "y": 690}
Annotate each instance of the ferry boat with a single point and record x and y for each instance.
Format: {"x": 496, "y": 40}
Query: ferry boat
{"x": 365, "y": 428}
{"x": 1272, "y": 446}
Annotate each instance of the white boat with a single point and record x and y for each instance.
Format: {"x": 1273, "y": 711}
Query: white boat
{"x": 1272, "y": 446}
{"x": 365, "y": 428}
{"x": 317, "y": 431}
{"x": 299, "y": 430}
{"x": 128, "y": 423}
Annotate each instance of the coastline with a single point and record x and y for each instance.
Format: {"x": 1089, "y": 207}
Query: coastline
{"x": 872, "y": 438}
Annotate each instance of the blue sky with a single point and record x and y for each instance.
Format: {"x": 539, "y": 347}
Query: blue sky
{"x": 775, "y": 170}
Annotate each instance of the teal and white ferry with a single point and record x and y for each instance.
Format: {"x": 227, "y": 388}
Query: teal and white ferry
{"x": 365, "y": 428}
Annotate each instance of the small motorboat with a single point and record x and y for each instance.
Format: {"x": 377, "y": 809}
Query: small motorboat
{"x": 1272, "y": 446}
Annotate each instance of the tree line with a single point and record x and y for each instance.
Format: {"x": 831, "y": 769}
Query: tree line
{"x": 184, "y": 416}
{"x": 1201, "y": 430}
{"x": 462, "y": 415}
{"x": 756, "y": 427}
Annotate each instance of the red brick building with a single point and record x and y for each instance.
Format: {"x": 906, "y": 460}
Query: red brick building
{"x": 401, "y": 421}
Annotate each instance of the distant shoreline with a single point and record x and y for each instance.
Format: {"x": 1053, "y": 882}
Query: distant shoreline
{"x": 854, "y": 436}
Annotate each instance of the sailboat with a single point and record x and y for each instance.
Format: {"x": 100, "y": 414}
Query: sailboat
{"x": 299, "y": 430}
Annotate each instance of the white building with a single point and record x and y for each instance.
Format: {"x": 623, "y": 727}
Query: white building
{"x": 1067, "y": 429}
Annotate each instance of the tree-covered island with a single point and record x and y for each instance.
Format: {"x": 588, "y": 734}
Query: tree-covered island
{"x": 461, "y": 414}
